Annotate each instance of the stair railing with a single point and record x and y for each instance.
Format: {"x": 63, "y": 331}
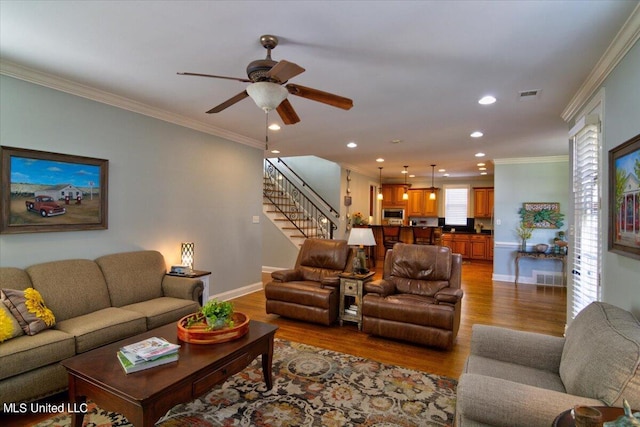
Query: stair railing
{"x": 288, "y": 198}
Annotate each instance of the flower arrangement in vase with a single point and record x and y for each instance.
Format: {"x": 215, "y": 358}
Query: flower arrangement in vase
{"x": 358, "y": 219}
{"x": 524, "y": 232}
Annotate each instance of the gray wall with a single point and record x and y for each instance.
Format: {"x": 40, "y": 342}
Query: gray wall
{"x": 621, "y": 275}
{"x": 541, "y": 180}
{"x": 167, "y": 184}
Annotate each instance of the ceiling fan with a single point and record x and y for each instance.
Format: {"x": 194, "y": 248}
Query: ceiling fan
{"x": 267, "y": 78}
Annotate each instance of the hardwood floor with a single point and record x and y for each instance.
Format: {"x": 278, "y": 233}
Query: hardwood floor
{"x": 525, "y": 307}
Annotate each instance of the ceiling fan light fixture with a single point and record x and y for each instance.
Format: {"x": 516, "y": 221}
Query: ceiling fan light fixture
{"x": 267, "y": 95}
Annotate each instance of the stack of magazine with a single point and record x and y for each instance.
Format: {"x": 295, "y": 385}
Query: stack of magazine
{"x": 147, "y": 354}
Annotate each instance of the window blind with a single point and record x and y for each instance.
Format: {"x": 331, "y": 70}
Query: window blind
{"x": 586, "y": 248}
{"x": 455, "y": 206}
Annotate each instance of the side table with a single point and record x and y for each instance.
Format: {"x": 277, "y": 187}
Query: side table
{"x": 351, "y": 290}
{"x": 203, "y": 276}
{"x": 609, "y": 413}
{"x": 542, "y": 255}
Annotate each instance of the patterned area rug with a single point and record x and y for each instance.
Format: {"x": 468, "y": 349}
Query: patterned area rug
{"x": 312, "y": 387}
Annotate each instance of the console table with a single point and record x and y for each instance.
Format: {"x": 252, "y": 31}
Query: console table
{"x": 542, "y": 255}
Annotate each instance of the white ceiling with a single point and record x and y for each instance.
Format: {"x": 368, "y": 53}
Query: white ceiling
{"x": 414, "y": 69}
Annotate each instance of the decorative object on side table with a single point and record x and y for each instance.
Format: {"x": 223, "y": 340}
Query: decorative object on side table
{"x": 627, "y": 420}
{"x": 524, "y": 232}
{"x": 361, "y": 237}
{"x": 541, "y": 247}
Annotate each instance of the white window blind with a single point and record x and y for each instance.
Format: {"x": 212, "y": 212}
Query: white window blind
{"x": 455, "y": 206}
{"x": 586, "y": 250}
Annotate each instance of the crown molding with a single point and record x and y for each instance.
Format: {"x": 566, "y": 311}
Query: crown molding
{"x": 529, "y": 160}
{"x": 68, "y": 86}
{"x": 621, "y": 44}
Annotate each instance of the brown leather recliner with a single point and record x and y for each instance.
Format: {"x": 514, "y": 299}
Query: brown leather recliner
{"x": 310, "y": 290}
{"x": 418, "y": 298}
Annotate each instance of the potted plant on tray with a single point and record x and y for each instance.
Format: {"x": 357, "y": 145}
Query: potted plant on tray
{"x": 218, "y": 314}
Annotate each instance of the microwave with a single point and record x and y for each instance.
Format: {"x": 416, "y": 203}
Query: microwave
{"x": 393, "y": 214}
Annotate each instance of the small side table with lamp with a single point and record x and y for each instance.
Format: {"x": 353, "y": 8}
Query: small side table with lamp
{"x": 361, "y": 237}
{"x": 352, "y": 284}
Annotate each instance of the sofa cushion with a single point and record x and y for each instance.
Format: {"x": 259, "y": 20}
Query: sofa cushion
{"x": 25, "y": 353}
{"x": 133, "y": 276}
{"x": 160, "y": 311}
{"x": 71, "y": 288}
{"x": 9, "y": 326}
{"x": 14, "y": 278}
{"x": 601, "y": 356}
{"x": 29, "y": 309}
{"x": 103, "y": 327}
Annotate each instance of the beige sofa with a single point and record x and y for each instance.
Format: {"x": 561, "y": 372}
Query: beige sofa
{"x": 95, "y": 303}
{"x": 515, "y": 378}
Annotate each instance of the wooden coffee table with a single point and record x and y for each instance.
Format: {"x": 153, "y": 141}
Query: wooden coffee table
{"x": 145, "y": 396}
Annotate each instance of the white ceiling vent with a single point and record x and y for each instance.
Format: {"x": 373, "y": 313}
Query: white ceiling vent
{"x": 529, "y": 94}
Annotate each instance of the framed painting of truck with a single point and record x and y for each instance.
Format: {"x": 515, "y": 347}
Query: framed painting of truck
{"x": 44, "y": 192}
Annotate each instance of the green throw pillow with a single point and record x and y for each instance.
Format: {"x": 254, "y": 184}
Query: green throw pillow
{"x": 9, "y": 326}
{"x": 29, "y": 309}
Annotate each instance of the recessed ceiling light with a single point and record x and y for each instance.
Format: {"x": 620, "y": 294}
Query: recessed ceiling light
{"x": 446, "y": 174}
{"x": 480, "y": 164}
{"x": 487, "y": 100}
{"x": 483, "y": 173}
{"x": 396, "y": 141}
{"x": 441, "y": 170}
{"x": 352, "y": 145}
{"x": 482, "y": 169}
{"x": 275, "y": 151}
{"x": 274, "y": 126}
{"x": 480, "y": 154}
{"x": 476, "y": 134}
{"x": 405, "y": 171}
{"x": 412, "y": 176}
{"x": 379, "y": 160}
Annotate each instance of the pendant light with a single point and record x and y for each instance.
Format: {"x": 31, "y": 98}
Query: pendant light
{"x": 380, "y": 186}
{"x": 405, "y": 196}
{"x": 432, "y": 196}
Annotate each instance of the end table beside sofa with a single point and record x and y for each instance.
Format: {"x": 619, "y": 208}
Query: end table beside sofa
{"x": 95, "y": 302}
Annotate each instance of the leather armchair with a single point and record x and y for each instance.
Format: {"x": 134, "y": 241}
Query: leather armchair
{"x": 418, "y": 298}
{"x": 310, "y": 290}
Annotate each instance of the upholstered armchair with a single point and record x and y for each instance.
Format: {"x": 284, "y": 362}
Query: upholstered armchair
{"x": 418, "y": 298}
{"x": 309, "y": 291}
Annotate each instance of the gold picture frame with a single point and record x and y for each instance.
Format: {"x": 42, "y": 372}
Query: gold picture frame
{"x": 46, "y": 192}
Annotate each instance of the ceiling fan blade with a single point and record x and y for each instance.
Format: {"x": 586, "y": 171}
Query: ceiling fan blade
{"x": 320, "y": 96}
{"x": 216, "y": 77}
{"x": 287, "y": 113}
{"x": 229, "y": 102}
{"x": 284, "y": 70}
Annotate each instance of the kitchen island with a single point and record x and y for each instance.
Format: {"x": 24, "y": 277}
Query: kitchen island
{"x": 470, "y": 245}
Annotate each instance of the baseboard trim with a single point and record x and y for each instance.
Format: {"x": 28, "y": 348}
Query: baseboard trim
{"x": 235, "y": 293}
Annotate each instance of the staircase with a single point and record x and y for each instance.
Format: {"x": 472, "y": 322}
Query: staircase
{"x": 289, "y": 205}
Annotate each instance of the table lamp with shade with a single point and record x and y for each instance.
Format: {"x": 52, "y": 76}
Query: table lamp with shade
{"x": 361, "y": 237}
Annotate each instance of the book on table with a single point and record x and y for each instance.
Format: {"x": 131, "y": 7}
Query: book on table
{"x": 146, "y": 354}
{"x": 130, "y": 367}
{"x": 149, "y": 349}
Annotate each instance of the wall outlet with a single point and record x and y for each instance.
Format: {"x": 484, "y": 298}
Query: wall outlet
{"x": 498, "y": 221}
{"x": 256, "y": 219}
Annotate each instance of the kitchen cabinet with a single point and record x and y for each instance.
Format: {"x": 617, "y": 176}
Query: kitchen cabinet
{"x": 458, "y": 243}
{"x": 420, "y": 205}
{"x": 470, "y": 246}
{"x": 483, "y": 202}
{"x": 392, "y": 196}
{"x": 478, "y": 247}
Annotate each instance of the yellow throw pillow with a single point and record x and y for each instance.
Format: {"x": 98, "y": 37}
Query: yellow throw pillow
{"x": 29, "y": 309}
{"x": 9, "y": 326}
